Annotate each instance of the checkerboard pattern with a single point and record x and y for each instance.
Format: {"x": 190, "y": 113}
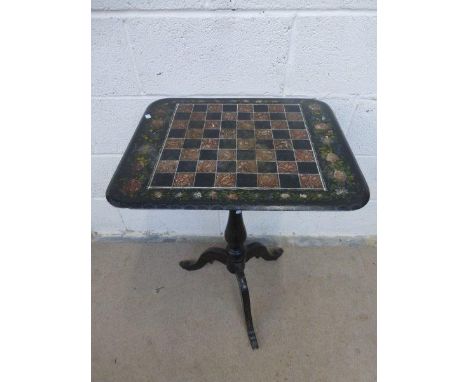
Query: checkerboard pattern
{"x": 218, "y": 145}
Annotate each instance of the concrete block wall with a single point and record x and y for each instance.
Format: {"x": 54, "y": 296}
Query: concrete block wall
{"x": 143, "y": 50}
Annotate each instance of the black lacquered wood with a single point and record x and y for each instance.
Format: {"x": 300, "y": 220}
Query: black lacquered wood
{"x": 234, "y": 256}
{"x": 259, "y": 250}
{"x": 210, "y": 255}
{"x": 242, "y": 281}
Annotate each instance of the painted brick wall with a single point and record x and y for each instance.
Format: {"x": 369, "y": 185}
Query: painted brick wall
{"x": 143, "y": 50}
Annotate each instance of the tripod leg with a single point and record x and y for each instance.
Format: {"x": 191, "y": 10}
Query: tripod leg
{"x": 246, "y": 303}
{"x": 259, "y": 250}
{"x": 210, "y": 255}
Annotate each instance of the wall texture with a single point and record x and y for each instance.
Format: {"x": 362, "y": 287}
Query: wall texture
{"x": 143, "y": 50}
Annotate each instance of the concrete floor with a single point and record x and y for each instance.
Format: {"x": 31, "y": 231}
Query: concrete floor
{"x": 314, "y": 312}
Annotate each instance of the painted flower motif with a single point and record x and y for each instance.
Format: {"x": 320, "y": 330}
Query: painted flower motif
{"x": 232, "y": 196}
{"x": 157, "y": 195}
{"x": 213, "y": 195}
{"x": 314, "y": 107}
{"x": 302, "y": 196}
{"x": 178, "y": 195}
{"x": 327, "y": 140}
{"x": 132, "y": 186}
{"x": 284, "y": 196}
{"x": 157, "y": 123}
{"x": 197, "y": 195}
{"x": 332, "y": 157}
{"x": 341, "y": 191}
{"x": 340, "y": 176}
{"x": 138, "y": 166}
{"x": 144, "y": 149}
{"x": 321, "y": 126}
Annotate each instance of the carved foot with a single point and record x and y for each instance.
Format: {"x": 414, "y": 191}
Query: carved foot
{"x": 259, "y": 250}
{"x": 210, "y": 255}
{"x": 247, "y": 313}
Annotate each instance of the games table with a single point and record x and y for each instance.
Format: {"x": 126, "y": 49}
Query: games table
{"x": 238, "y": 154}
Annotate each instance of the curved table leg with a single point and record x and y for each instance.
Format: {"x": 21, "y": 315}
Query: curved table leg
{"x": 247, "y": 313}
{"x": 210, "y": 255}
{"x": 259, "y": 250}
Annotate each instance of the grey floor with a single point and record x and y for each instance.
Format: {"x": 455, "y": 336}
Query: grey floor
{"x": 314, "y": 313}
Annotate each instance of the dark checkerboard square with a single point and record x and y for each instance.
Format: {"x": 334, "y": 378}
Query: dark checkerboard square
{"x": 227, "y": 107}
{"x": 246, "y": 180}
{"x": 246, "y": 154}
{"x": 244, "y": 116}
{"x": 226, "y": 166}
{"x": 302, "y": 144}
{"x": 200, "y": 107}
{"x": 170, "y": 154}
{"x": 285, "y": 155}
{"x": 262, "y": 125}
{"x": 208, "y": 154}
{"x": 289, "y": 181}
{"x": 176, "y": 133}
{"x": 210, "y": 133}
{"x": 281, "y": 134}
{"x": 296, "y": 125}
{"x": 187, "y": 166}
{"x": 260, "y": 108}
{"x": 213, "y": 116}
{"x": 277, "y": 116}
{"x": 307, "y": 167}
{"x": 268, "y": 167}
{"x": 227, "y": 143}
{"x": 204, "y": 180}
{"x": 196, "y": 124}
{"x": 192, "y": 143}
{"x": 179, "y": 116}
{"x": 264, "y": 144}
{"x": 162, "y": 180}
{"x": 291, "y": 108}
{"x": 245, "y": 133}
{"x": 228, "y": 124}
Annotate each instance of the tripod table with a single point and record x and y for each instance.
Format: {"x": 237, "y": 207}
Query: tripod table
{"x": 238, "y": 154}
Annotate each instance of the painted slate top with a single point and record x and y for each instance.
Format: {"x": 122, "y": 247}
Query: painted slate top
{"x": 258, "y": 154}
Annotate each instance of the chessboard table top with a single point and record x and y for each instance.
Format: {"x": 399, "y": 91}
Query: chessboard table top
{"x": 251, "y": 154}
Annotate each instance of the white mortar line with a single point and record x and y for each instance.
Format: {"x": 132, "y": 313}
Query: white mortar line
{"x": 340, "y": 96}
{"x": 127, "y": 13}
{"x": 132, "y": 57}
{"x": 291, "y": 43}
{"x": 106, "y": 154}
{"x": 346, "y": 129}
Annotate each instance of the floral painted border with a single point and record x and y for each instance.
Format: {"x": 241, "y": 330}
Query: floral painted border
{"x": 346, "y": 187}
